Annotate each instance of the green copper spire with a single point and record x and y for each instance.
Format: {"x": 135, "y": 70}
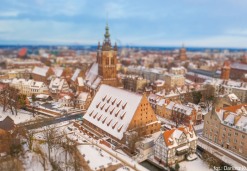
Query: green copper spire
{"x": 107, "y": 34}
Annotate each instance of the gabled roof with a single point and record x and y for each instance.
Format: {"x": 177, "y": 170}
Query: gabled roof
{"x": 7, "y": 124}
{"x": 58, "y": 71}
{"x": 92, "y": 78}
{"x": 76, "y": 74}
{"x": 171, "y": 136}
{"x": 40, "y": 70}
{"x": 112, "y": 110}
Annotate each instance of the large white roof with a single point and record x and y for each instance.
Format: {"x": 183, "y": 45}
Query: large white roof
{"x": 112, "y": 110}
{"x": 92, "y": 78}
{"x": 40, "y": 70}
{"x": 76, "y": 74}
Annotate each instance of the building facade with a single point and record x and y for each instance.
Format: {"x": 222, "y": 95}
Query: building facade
{"x": 120, "y": 115}
{"x": 175, "y": 145}
{"x": 228, "y": 128}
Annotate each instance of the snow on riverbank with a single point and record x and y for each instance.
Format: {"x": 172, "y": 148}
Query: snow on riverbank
{"x": 194, "y": 165}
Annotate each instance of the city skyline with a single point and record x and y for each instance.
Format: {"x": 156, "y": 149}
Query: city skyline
{"x": 139, "y": 23}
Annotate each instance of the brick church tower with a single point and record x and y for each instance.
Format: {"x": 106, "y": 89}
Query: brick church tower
{"x": 244, "y": 59}
{"x": 182, "y": 54}
{"x": 107, "y": 60}
{"x": 225, "y": 70}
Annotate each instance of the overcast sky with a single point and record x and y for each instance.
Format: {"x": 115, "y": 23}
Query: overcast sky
{"x": 203, "y": 23}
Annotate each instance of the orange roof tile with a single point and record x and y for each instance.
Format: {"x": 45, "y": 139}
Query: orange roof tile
{"x": 234, "y": 108}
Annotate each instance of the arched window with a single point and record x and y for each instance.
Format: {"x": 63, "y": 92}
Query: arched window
{"x": 112, "y": 61}
{"x": 107, "y": 61}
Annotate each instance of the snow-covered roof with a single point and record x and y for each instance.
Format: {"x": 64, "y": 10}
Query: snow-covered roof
{"x": 234, "y": 116}
{"x": 239, "y": 66}
{"x": 171, "y": 137}
{"x": 83, "y": 96}
{"x": 56, "y": 83}
{"x": 40, "y": 70}
{"x": 177, "y": 133}
{"x": 80, "y": 81}
{"x": 112, "y": 110}
{"x": 29, "y": 83}
{"x": 76, "y": 74}
{"x": 58, "y": 71}
{"x": 233, "y": 97}
{"x": 42, "y": 96}
{"x": 92, "y": 78}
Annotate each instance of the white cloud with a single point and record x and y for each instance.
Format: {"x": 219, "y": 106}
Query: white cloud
{"x": 237, "y": 31}
{"x": 9, "y": 13}
{"x": 214, "y": 41}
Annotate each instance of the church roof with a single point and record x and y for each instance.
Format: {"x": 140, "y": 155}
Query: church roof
{"x": 112, "y": 110}
{"x": 92, "y": 78}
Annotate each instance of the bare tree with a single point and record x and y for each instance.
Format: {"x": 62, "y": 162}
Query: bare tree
{"x": 42, "y": 155}
{"x": 49, "y": 134}
{"x": 30, "y": 138}
{"x": 208, "y": 95}
{"x": 33, "y": 104}
{"x": 10, "y": 99}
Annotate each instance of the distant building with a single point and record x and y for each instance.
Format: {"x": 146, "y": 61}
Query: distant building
{"x": 29, "y": 87}
{"x": 228, "y": 128}
{"x": 225, "y": 70}
{"x": 134, "y": 83}
{"x": 178, "y": 70}
{"x": 182, "y": 54}
{"x": 42, "y": 74}
{"x": 151, "y": 74}
{"x": 120, "y": 115}
{"x": 22, "y": 64}
{"x": 238, "y": 70}
{"x": 244, "y": 59}
{"x": 172, "y": 80}
{"x": 182, "y": 114}
{"x": 175, "y": 145}
{"x": 229, "y": 86}
{"x": 58, "y": 85}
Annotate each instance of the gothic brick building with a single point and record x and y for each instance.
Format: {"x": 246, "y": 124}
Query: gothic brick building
{"x": 103, "y": 71}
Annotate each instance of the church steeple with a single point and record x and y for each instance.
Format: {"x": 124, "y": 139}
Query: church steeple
{"x": 107, "y": 42}
{"x": 107, "y": 34}
{"x": 107, "y": 60}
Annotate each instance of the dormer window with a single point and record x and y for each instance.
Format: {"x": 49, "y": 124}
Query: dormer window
{"x": 108, "y": 100}
{"x": 107, "y": 108}
{"x": 113, "y": 101}
{"x": 119, "y": 128}
{"x": 109, "y": 122}
{"x": 122, "y": 115}
{"x": 90, "y": 113}
{"x": 124, "y": 105}
{"x": 102, "y": 106}
{"x": 119, "y": 103}
{"x": 104, "y": 98}
{"x": 112, "y": 111}
{"x": 98, "y": 105}
{"x": 103, "y": 121}
{"x": 114, "y": 125}
{"x": 117, "y": 113}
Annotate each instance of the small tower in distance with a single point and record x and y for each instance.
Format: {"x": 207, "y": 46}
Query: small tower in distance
{"x": 182, "y": 53}
{"x": 225, "y": 70}
{"x": 244, "y": 59}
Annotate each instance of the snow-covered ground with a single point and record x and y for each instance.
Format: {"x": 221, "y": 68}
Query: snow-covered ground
{"x": 194, "y": 165}
{"x": 22, "y": 115}
{"x": 96, "y": 158}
